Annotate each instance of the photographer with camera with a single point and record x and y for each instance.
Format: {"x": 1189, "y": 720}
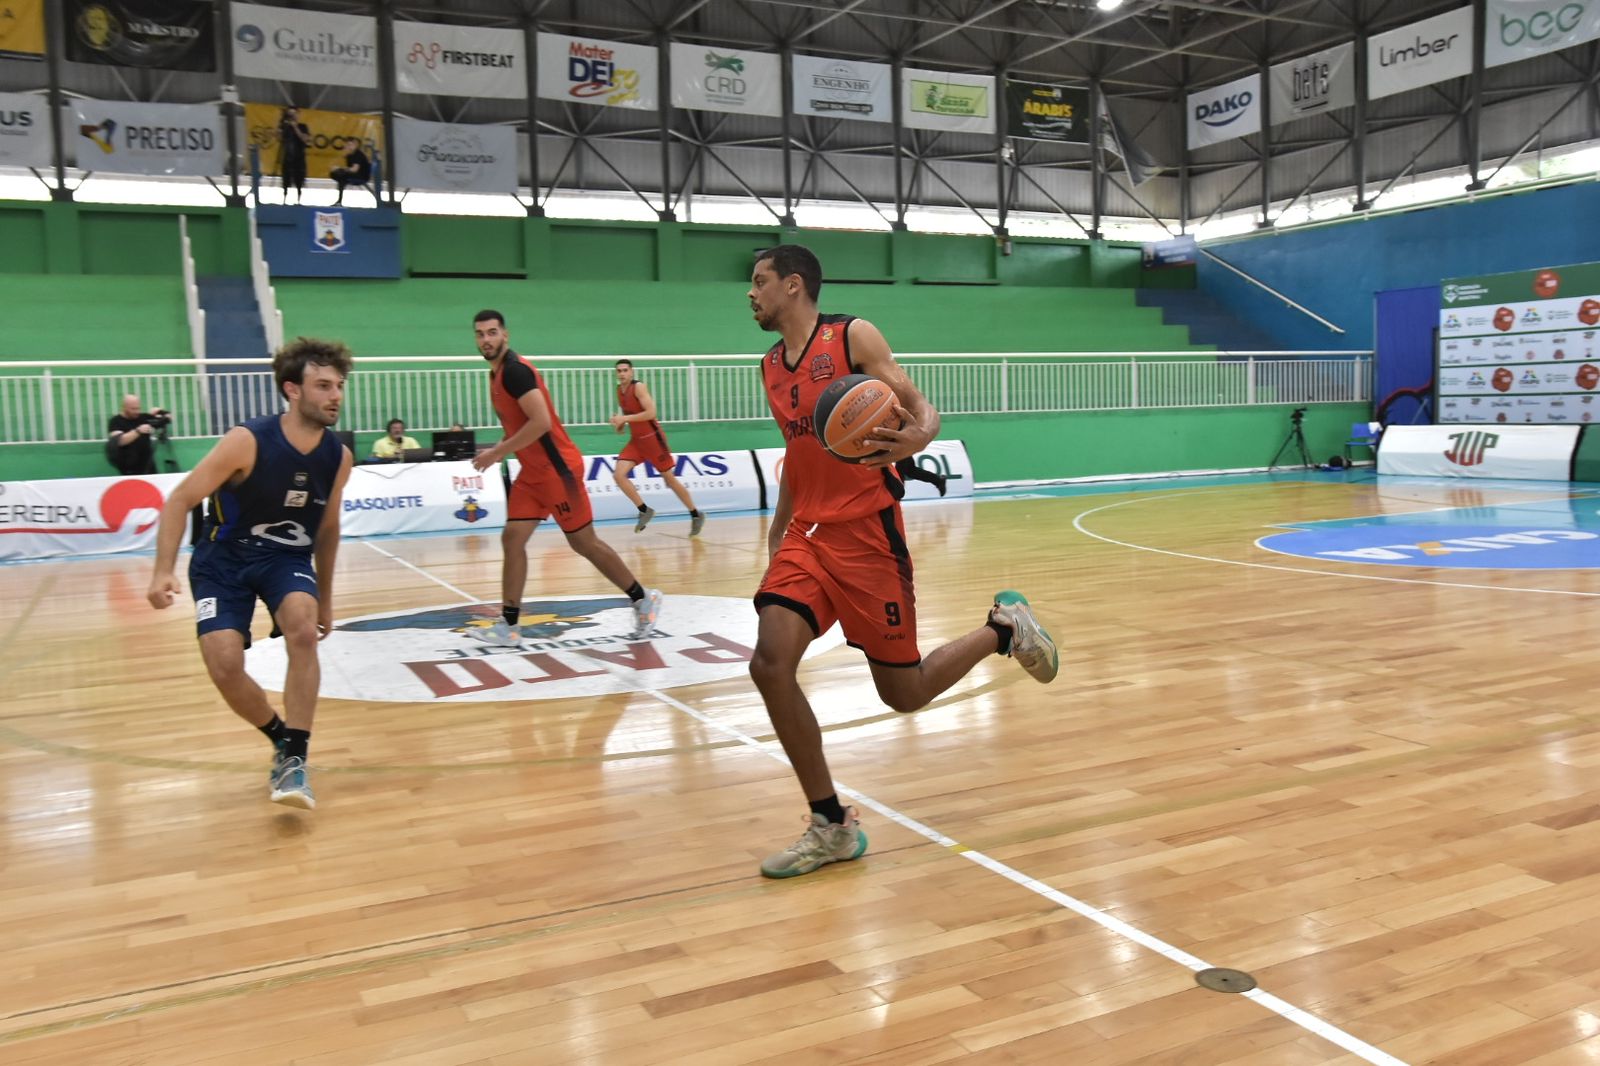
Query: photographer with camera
{"x": 128, "y": 445}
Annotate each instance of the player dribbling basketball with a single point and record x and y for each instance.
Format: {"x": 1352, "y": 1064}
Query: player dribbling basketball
{"x": 837, "y": 550}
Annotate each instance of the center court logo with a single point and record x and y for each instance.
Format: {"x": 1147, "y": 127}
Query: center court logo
{"x": 572, "y": 647}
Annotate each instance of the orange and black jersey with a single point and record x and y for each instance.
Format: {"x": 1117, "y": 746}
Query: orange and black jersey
{"x": 554, "y": 452}
{"x": 822, "y": 488}
{"x": 628, "y": 400}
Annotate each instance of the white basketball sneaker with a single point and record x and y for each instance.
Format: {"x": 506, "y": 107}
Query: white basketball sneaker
{"x": 1031, "y": 645}
{"x": 498, "y": 635}
{"x": 646, "y": 613}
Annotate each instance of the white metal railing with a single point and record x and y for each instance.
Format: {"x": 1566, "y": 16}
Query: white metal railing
{"x": 266, "y": 295}
{"x": 191, "y": 293}
{"x": 59, "y": 402}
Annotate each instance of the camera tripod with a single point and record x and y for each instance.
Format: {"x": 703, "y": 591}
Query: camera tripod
{"x": 1297, "y": 438}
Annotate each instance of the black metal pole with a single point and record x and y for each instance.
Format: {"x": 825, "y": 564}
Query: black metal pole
{"x": 530, "y": 38}
{"x": 895, "y": 69}
{"x": 1097, "y": 170}
{"x": 1475, "y": 101}
{"x": 999, "y": 107}
{"x": 664, "y": 103}
{"x": 787, "y": 119}
{"x": 386, "y": 89}
{"x": 231, "y": 108}
{"x": 52, "y": 62}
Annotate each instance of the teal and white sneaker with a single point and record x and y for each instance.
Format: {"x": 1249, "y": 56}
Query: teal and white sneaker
{"x": 1031, "y": 645}
{"x": 644, "y": 519}
{"x": 498, "y": 635}
{"x": 290, "y": 785}
{"x": 646, "y": 613}
{"x": 824, "y": 842}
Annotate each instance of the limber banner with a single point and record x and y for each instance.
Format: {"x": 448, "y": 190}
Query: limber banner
{"x": 141, "y": 138}
{"x": 154, "y": 34}
{"x": 1423, "y": 53}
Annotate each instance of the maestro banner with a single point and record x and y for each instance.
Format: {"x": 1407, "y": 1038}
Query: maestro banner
{"x": 286, "y": 44}
{"x": 726, "y": 79}
{"x": 156, "y": 34}
{"x": 946, "y": 457}
{"x": 1043, "y": 112}
{"x": 437, "y": 155}
{"x": 459, "y": 61}
{"x": 140, "y": 138}
{"x": 1224, "y": 112}
{"x": 843, "y": 88}
{"x": 421, "y": 498}
{"x": 585, "y": 70}
{"x": 1321, "y": 81}
{"x": 22, "y": 29}
{"x": 81, "y": 516}
{"x": 1423, "y": 53}
{"x": 333, "y": 133}
{"x": 24, "y": 130}
{"x": 937, "y": 100}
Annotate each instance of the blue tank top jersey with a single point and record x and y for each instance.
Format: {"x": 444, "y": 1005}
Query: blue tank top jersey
{"x": 280, "y": 505}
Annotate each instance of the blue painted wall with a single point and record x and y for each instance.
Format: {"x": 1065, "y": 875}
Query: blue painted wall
{"x": 1336, "y": 270}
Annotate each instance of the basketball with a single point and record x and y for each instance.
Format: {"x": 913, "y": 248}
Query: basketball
{"x": 848, "y": 412}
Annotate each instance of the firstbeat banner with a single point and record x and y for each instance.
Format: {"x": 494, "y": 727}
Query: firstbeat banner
{"x": 1518, "y": 29}
{"x": 1423, "y": 53}
{"x": 459, "y": 61}
{"x": 333, "y": 133}
{"x": 584, "y": 70}
{"x": 24, "y": 130}
{"x": 937, "y": 100}
{"x": 843, "y": 88}
{"x": 727, "y": 79}
{"x": 285, "y": 44}
{"x": 22, "y": 28}
{"x": 1047, "y": 112}
{"x": 157, "y": 34}
{"x": 1225, "y": 112}
{"x": 436, "y": 155}
{"x": 139, "y": 138}
{"x": 1321, "y": 81}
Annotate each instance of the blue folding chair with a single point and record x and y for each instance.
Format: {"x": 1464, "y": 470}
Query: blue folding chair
{"x": 1363, "y": 435}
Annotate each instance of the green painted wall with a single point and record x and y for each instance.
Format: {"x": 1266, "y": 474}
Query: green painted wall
{"x": 137, "y": 316}
{"x": 70, "y": 238}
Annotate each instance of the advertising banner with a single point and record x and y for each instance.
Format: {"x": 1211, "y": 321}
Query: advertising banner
{"x": 333, "y": 133}
{"x": 140, "y": 138}
{"x": 1536, "y": 453}
{"x": 1321, "y": 81}
{"x": 1423, "y": 53}
{"x": 328, "y": 231}
{"x": 22, "y": 29}
{"x": 421, "y": 498}
{"x": 1224, "y": 112}
{"x": 586, "y": 70}
{"x": 938, "y": 100}
{"x": 1519, "y": 29}
{"x": 24, "y": 130}
{"x": 155, "y": 34}
{"x": 1178, "y": 251}
{"x": 727, "y": 79}
{"x": 843, "y": 88}
{"x": 81, "y": 516}
{"x": 287, "y": 44}
{"x": 1043, "y": 112}
{"x": 445, "y": 60}
{"x": 946, "y": 457}
{"x": 435, "y": 155}
{"x": 719, "y": 481}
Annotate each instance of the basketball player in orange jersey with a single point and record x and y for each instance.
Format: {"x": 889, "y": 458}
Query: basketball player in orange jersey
{"x": 550, "y": 483}
{"x": 648, "y": 445}
{"x": 837, "y": 550}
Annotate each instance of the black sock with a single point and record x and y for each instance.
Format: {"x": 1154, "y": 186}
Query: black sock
{"x": 511, "y": 615}
{"x": 643, "y": 508}
{"x": 829, "y": 808}
{"x": 635, "y": 592}
{"x": 295, "y": 743}
{"x": 1003, "y": 633}
{"x": 693, "y": 513}
{"x": 274, "y": 730}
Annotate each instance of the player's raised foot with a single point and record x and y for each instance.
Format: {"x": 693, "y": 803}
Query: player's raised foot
{"x": 646, "y": 613}
{"x": 824, "y": 842}
{"x": 697, "y": 522}
{"x": 290, "y": 785}
{"x": 498, "y": 635}
{"x": 644, "y": 519}
{"x": 1031, "y": 645}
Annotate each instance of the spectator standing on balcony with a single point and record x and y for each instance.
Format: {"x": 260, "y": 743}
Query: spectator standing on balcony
{"x": 293, "y": 137}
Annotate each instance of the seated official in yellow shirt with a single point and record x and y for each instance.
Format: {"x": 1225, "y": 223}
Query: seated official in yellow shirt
{"x": 395, "y": 443}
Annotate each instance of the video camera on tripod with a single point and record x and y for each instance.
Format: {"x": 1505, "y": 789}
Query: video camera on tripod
{"x": 1296, "y": 437}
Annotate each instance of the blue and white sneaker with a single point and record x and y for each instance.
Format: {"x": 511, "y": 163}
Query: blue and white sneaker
{"x": 646, "y": 613}
{"x": 290, "y": 785}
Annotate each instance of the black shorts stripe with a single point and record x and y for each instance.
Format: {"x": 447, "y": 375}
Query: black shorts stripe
{"x": 897, "y": 546}
{"x": 881, "y": 662}
{"x": 562, "y": 470}
{"x": 772, "y": 599}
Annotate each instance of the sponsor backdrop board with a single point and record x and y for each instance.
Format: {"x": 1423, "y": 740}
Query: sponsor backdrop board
{"x": 444, "y": 60}
{"x": 24, "y": 130}
{"x": 1535, "y": 453}
{"x": 22, "y": 29}
{"x": 587, "y": 70}
{"x": 333, "y": 133}
{"x": 938, "y": 100}
{"x": 1423, "y": 53}
{"x": 719, "y": 481}
{"x": 1521, "y": 347}
{"x": 437, "y": 155}
{"x": 1521, "y": 29}
{"x": 1313, "y": 84}
{"x": 140, "y": 138}
{"x": 81, "y": 516}
{"x": 727, "y": 79}
{"x": 947, "y": 457}
{"x": 1224, "y": 112}
{"x": 287, "y": 44}
{"x": 843, "y": 88}
{"x": 1042, "y": 112}
{"x": 421, "y": 498}
{"x": 154, "y": 34}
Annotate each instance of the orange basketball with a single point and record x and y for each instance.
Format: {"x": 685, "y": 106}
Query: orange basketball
{"x": 848, "y": 411}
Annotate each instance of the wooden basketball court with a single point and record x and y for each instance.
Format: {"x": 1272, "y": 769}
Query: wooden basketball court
{"x": 1372, "y": 789}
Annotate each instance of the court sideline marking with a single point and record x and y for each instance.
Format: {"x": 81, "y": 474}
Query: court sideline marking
{"x": 1117, "y": 926}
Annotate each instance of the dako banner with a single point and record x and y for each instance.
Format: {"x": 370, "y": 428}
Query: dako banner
{"x": 1423, "y": 53}
{"x": 140, "y": 138}
{"x": 333, "y": 134}
{"x": 843, "y": 88}
{"x": 1310, "y": 85}
{"x": 24, "y": 130}
{"x": 938, "y": 100}
{"x": 726, "y": 79}
{"x": 1519, "y": 29}
{"x": 22, "y": 29}
{"x": 1225, "y": 112}
{"x": 286, "y": 44}
{"x": 436, "y": 155}
{"x": 154, "y": 34}
{"x": 584, "y": 70}
{"x": 441, "y": 60}
{"x": 1041, "y": 112}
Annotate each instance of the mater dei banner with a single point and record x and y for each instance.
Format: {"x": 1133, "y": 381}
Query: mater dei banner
{"x": 937, "y": 100}
{"x": 586, "y": 70}
{"x": 436, "y": 155}
{"x": 140, "y": 138}
{"x": 286, "y": 44}
{"x": 24, "y": 130}
{"x": 726, "y": 79}
{"x": 1518, "y": 29}
{"x": 444, "y": 60}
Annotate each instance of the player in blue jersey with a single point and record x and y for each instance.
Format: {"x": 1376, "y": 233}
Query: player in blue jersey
{"x": 275, "y": 485}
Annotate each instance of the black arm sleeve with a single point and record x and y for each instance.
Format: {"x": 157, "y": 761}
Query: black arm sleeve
{"x": 518, "y": 379}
